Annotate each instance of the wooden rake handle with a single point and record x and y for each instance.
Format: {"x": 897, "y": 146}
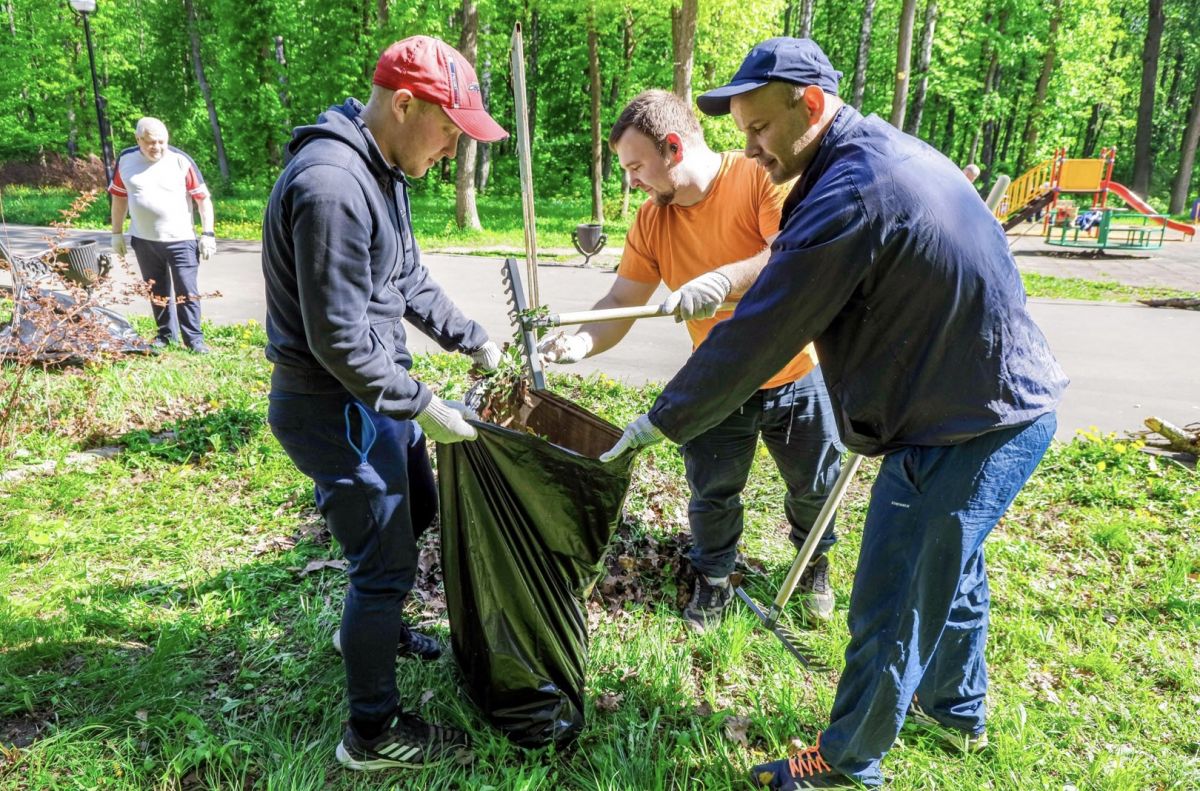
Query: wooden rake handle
{"x": 610, "y": 314}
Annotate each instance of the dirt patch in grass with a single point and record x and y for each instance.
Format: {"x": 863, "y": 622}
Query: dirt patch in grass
{"x": 21, "y": 730}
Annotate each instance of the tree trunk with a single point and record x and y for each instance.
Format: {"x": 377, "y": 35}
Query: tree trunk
{"x": 1176, "y": 81}
{"x": 606, "y": 154}
{"x": 381, "y": 12}
{"x": 987, "y": 155}
{"x": 1011, "y": 122}
{"x": 625, "y": 188}
{"x": 683, "y": 46}
{"x": 1187, "y": 153}
{"x": 948, "y": 133}
{"x": 285, "y": 99}
{"x": 903, "y": 62}
{"x": 597, "y": 146}
{"x": 787, "y": 16}
{"x": 1033, "y": 122}
{"x": 806, "y": 18}
{"x": 466, "y": 214}
{"x": 913, "y": 124}
{"x": 205, "y": 91}
{"x": 483, "y": 164}
{"x": 617, "y": 84}
{"x": 864, "y": 53}
{"x": 1142, "y": 164}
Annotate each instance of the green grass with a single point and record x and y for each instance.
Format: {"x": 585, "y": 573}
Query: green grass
{"x": 155, "y": 633}
{"x": 239, "y": 216}
{"x": 1096, "y": 290}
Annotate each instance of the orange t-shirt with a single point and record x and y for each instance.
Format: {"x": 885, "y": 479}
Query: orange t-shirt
{"x": 731, "y": 223}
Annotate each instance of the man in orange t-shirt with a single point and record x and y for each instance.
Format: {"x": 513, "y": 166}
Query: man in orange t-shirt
{"x": 706, "y": 231}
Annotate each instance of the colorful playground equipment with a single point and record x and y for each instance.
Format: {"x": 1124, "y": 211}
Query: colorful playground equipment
{"x": 1039, "y": 193}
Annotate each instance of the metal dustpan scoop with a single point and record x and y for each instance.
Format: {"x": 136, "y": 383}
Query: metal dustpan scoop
{"x": 770, "y": 618}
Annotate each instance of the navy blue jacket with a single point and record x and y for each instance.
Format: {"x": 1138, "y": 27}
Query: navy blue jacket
{"x": 342, "y": 270}
{"x": 888, "y": 260}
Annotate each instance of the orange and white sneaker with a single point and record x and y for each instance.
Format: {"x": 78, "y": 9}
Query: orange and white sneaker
{"x": 805, "y": 769}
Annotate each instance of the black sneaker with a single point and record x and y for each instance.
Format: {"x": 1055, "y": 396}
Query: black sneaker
{"x": 708, "y": 604}
{"x": 408, "y": 742}
{"x": 963, "y": 740}
{"x": 815, "y": 589}
{"x": 805, "y": 769}
{"x": 412, "y": 644}
{"x": 199, "y": 347}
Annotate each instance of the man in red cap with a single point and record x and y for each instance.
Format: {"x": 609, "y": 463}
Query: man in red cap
{"x": 342, "y": 270}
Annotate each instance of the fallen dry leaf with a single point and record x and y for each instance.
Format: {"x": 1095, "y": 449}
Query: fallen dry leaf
{"x": 735, "y": 730}
{"x": 609, "y": 701}
{"x": 328, "y": 563}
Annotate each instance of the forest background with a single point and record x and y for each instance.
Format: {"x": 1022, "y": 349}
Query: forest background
{"x": 1003, "y": 83}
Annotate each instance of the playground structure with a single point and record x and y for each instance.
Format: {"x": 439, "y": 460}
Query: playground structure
{"x": 1039, "y": 193}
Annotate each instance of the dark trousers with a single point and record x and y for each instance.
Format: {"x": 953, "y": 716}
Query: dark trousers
{"x": 174, "y": 294}
{"x": 919, "y": 609}
{"x": 374, "y": 486}
{"x": 797, "y": 426}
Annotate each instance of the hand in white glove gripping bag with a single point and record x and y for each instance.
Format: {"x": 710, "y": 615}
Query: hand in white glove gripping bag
{"x": 638, "y": 434}
{"x": 446, "y": 421}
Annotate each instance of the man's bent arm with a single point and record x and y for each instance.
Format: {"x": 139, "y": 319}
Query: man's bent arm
{"x": 205, "y": 207}
{"x": 120, "y": 205}
{"x": 624, "y": 293}
{"x": 742, "y": 274}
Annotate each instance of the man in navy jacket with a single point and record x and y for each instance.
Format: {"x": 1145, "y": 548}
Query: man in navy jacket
{"x": 888, "y": 261}
{"x": 342, "y": 274}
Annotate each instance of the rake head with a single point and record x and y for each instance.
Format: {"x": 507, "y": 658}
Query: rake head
{"x": 791, "y": 641}
{"x": 519, "y": 313}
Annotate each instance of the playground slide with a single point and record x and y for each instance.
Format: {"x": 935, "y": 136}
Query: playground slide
{"x": 1137, "y": 204}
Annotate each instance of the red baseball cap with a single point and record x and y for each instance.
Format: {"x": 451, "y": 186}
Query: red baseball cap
{"x": 437, "y": 73}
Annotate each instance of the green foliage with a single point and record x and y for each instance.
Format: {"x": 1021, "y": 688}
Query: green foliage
{"x": 328, "y": 51}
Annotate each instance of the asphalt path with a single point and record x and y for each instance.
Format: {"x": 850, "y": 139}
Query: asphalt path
{"x": 1126, "y": 362}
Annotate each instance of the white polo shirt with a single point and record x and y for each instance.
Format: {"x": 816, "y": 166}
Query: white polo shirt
{"x": 160, "y": 193}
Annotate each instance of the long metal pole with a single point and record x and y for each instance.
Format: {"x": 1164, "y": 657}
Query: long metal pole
{"x": 524, "y": 162}
{"x": 87, "y": 34}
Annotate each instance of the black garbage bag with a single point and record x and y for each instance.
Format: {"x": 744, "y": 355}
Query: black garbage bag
{"x": 526, "y": 520}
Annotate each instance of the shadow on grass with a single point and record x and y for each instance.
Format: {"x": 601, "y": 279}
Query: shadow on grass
{"x": 187, "y": 440}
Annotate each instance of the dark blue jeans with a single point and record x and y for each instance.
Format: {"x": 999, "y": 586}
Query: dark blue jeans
{"x": 797, "y": 425}
{"x": 374, "y": 486}
{"x": 168, "y": 263}
{"x": 919, "y": 610}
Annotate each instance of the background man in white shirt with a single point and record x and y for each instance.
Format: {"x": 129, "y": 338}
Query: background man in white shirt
{"x": 157, "y": 185}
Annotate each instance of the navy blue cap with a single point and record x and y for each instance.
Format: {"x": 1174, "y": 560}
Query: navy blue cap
{"x": 796, "y": 60}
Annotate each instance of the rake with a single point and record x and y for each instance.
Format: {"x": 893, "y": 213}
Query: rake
{"x": 770, "y": 617}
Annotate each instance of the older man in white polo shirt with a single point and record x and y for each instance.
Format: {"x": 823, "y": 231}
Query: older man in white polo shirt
{"x": 157, "y": 185}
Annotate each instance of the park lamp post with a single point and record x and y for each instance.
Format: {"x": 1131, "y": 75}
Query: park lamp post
{"x": 85, "y": 7}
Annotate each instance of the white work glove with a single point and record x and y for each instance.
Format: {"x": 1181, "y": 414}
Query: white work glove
{"x": 208, "y": 246}
{"x": 638, "y": 434}
{"x": 486, "y": 356}
{"x": 446, "y": 421}
{"x": 699, "y": 298}
{"x": 118, "y": 244}
{"x": 565, "y": 349}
